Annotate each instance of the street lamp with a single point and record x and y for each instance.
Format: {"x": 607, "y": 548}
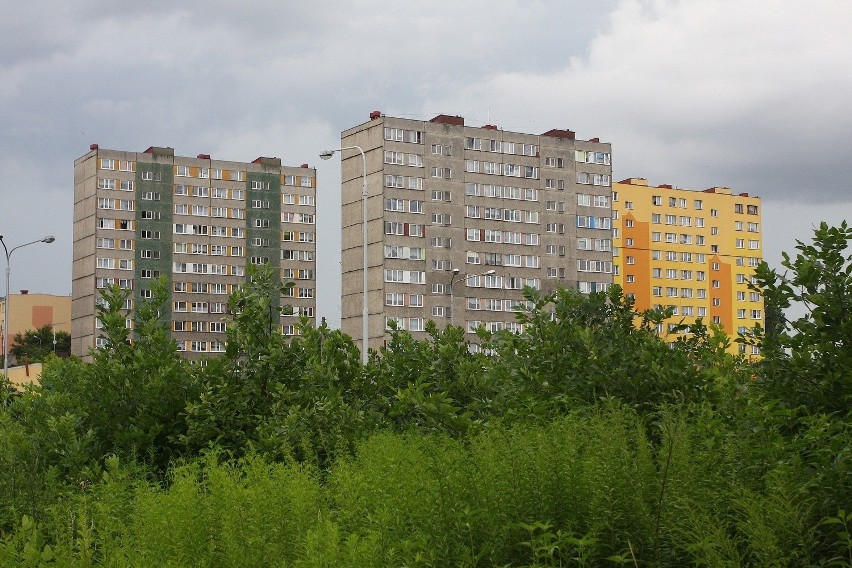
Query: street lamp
{"x": 325, "y": 155}
{"x": 53, "y": 327}
{"x": 453, "y": 280}
{"x": 48, "y": 239}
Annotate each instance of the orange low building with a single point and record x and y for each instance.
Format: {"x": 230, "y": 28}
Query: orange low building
{"x": 32, "y": 311}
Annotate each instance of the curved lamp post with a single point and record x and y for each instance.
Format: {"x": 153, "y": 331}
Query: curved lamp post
{"x": 48, "y": 239}
{"x": 453, "y": 280}
{"x": 325, "y": 155}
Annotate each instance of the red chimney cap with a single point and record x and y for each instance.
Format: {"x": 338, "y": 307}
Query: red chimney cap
{"x": 93, "y": 146}
{"x": 203, "y": 156}
{"x": 557, "y": 133}
{"x": 25, "y": 292}
{"x": 448, "y": 119}
{"x": 266, "y": 161}
{"x": 304, "y": 166}
{"x": 375, "y": 114}
{"x": 595, "y": 139}
{"x": 490, "y": 127}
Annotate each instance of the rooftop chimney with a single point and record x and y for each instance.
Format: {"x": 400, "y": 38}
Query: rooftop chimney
{"x": 93, "y": 146}
{"x": 203, "y": 156}
{"x": 264, "y": 161}
{"x": 447, "y": 119}
{"x": 556, "y": 133}
{"x": 158, "y": 151}
{"x": 376, "y": 114}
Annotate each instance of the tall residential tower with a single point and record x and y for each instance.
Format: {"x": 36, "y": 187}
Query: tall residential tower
{"x": 461, "y": 219}
{"x": 195, "y": 221}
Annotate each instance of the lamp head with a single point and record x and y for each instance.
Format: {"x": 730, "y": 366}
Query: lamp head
{"x": 455, "y": 270}
{"x": 48, "y": 239}
{"x": 490, "y": 272}
{"x": 326, "y": 154}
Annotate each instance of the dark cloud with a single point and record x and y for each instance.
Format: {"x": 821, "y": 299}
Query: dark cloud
{"x": 749, "y": 95}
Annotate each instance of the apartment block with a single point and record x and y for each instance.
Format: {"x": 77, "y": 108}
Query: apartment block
{"x": 693, "y": 250}
{"x": 462, "y": 218}
{"x": 196, "y": 221}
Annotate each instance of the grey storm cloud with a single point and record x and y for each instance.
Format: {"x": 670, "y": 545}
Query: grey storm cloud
{"x": 751, "y": 95}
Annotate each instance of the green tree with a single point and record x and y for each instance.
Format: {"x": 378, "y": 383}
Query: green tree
{"x": 34, "y": 345}
{"x": 808, "y": 361}
{"x": 576, "y": 349}
{"x": 129, "y": 401}
{"x": 235, "y": 390}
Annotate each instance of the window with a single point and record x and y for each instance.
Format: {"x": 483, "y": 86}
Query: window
{"x": 441, "y": 219}
{"x": 394, "y": 299}
{"x": 473, "y": 143}
{"x": 395, "y": 181}
{"x": 394, "y": 204}
{"x": 394, "y": 157}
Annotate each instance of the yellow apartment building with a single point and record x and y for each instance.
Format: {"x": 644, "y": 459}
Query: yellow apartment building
{"x": 693, "y": 250}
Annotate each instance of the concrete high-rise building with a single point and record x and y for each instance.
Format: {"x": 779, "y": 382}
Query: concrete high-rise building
{"x": 462, "y": 218}
{"x": 198, "y": 222}
{"x": 693, "y": 250}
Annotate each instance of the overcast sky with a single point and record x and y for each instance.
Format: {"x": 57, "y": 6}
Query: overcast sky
{"x": 754, "y": 95}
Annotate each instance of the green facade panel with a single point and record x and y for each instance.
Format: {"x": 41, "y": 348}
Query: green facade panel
{"x": 154, "y": 216}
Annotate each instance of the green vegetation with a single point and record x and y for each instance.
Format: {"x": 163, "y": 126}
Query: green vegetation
{"x": 583, "y": 441}
{"x": 34, "y": 345}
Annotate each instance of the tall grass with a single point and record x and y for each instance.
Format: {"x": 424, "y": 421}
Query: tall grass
{"x": 596, "y": 488}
